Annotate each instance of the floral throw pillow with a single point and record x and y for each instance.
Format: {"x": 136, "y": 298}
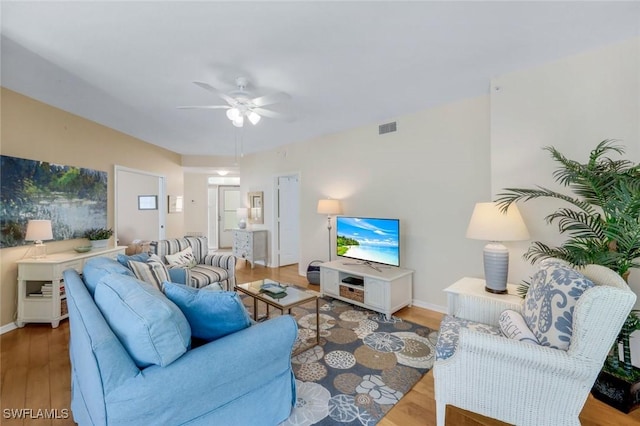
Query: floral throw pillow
{"x": 182, "y": 259}
{"x": 550, "y": 301}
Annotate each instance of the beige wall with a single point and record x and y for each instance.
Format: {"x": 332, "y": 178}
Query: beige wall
{"x": 571, "y": 104}
{"x": 429, "y": 175}
{"x": 33, "y": 130}
{"x": 196, "y": 200}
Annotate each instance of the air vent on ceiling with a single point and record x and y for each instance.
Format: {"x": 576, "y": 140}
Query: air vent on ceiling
{"x": 387, "y": 128}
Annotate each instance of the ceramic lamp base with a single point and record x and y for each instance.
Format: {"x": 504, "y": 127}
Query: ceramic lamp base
{"x": 242, "y": 224}
{"x": 496, "y": 267}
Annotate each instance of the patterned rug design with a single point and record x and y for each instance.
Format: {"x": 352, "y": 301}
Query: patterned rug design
{"x": 363, "y": 366}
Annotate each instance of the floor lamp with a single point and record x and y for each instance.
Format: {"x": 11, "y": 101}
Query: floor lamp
{"x": 329, "y": 207}
{"x": 489, "y": 223}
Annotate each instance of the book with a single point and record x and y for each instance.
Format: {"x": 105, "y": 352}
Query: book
{"x": 273, "y": 288}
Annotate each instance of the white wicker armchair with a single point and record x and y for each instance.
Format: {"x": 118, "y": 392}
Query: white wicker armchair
{"x": 526, "y": 384}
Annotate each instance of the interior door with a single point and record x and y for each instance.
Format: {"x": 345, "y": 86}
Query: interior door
{"x": 288, "y": 219}
{"x": 228, "y": 203}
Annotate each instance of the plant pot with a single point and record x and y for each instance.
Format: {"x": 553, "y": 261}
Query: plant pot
{"x": 622, "y": 394}
{"x": 99, "y": 243}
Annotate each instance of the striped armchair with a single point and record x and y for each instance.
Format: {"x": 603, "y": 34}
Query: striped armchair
{"x": 211, "y": 268}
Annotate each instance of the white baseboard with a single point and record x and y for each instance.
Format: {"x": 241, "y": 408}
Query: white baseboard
{"x": 8, "y": 327}
{"x": 430, "y": 306}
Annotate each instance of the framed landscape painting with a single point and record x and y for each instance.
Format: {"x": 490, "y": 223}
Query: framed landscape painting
{"x": 74, "y": 199}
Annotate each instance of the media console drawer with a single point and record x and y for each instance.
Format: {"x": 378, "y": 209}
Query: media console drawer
{"x": 352, "y": 293}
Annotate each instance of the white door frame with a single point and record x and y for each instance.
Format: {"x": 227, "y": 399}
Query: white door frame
{"x": 162, "y": 207}
{"x": 275, "y": 244}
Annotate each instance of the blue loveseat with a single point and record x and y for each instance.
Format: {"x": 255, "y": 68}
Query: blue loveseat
{"x": 243, "y": 378}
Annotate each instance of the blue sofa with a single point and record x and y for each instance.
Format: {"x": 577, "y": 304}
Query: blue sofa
{"x": 244, "y": 378}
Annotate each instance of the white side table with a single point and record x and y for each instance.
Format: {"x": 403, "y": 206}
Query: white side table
{"x": 468, "y": 299}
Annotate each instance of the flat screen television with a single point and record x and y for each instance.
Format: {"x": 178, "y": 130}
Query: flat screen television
{"x": 368, "y": 239}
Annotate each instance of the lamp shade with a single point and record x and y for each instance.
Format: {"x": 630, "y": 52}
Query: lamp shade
{"x": 329, "y": 206}
{"x": 39, "y": 230}
{"x": 488, "y": 223}
{"x": 242, "y": 212}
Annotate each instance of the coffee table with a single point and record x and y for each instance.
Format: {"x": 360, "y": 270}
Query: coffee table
{"x": 294, "y": 297}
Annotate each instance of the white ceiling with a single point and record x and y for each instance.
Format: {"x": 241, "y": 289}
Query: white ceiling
{"x": 128, "y": 65}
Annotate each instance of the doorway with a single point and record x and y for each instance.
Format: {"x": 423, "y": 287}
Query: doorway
{"x": 288, "y": 212}
{"x": 133, "y": 221}
{"x": 228, "y": 203}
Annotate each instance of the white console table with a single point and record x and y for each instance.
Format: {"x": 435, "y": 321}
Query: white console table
{"x": 34, "y": 273}
{"x": 250, "y": 244}
{"x": 386, "y": 290}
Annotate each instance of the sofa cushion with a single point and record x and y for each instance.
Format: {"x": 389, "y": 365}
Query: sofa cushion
{"x": 211, "y": 314}
{"x": 182, "y": 259}
{"x": 97, "y": 267}
{"x": 200, "y": 247}
{"x": 203, "y": 275}
{"x": 450, "y": 331}
{"x": 513, "y": 326}
{"x": 152, "y": 271}
{"x": 151, "y": 327}
{"x": 549, "y": 303}
{"x": 170, "y": 246}
{"x": 140, "y": 257}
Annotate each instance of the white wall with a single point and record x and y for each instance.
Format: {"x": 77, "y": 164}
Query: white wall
{"x": 429, "y": 175}
{"x": 196, "y": 203}
{"x": 445, "y": 159}
{"x": 571, "y": 104}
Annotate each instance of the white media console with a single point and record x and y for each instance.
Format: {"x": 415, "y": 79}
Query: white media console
{"x": 384, "y": 289}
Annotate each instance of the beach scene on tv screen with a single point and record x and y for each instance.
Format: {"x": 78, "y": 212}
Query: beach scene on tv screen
{"x": 373, "y": 240}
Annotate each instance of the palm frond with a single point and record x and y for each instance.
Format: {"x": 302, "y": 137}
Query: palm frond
{"x": 577, "y": 223}
{"x": 505, "y": 199}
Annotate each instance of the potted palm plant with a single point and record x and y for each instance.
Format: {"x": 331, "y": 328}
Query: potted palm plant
{"x": 601, "y": 224}
{"x": 99, "y": 237}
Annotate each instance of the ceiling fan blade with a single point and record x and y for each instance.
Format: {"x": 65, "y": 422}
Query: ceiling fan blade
{"x": 272, "y": 114}
{"x": 206, "y": 86}
{"x": 204, "y": 107}
{"x": 210, "y": 88}
{"x": 270, "y": 99}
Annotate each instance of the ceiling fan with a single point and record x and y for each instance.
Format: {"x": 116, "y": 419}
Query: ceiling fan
{"x": 240, "y": 105}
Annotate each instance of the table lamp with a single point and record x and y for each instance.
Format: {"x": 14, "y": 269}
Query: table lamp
{"x": 329, "y": 207}
{"x": 38, "y": 231}
{"x": 243, "y": 214}
{"x": 489, "y": 223}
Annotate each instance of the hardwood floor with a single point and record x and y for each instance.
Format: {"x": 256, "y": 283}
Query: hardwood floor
{"x": 34, "y": 367}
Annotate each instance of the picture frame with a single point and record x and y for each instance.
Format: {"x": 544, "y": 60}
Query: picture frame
{"x": 147, "y": 202}
{"x": 176, "y": 203}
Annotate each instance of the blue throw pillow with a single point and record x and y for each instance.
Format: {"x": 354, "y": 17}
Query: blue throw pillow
{"x": 140, "y": 257}
{"x": 211, "y": 314}
{"x": 97, "y": 267}
{"x": 152, "y": 329}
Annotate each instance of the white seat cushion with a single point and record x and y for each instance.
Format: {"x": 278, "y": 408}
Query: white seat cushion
{"x": 450, "y": 330}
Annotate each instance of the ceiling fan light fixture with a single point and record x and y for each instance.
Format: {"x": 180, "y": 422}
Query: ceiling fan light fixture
{"x": 238, "y": 122}
{"x": 233, "y": 113}
{"x": 253, "y": 117}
